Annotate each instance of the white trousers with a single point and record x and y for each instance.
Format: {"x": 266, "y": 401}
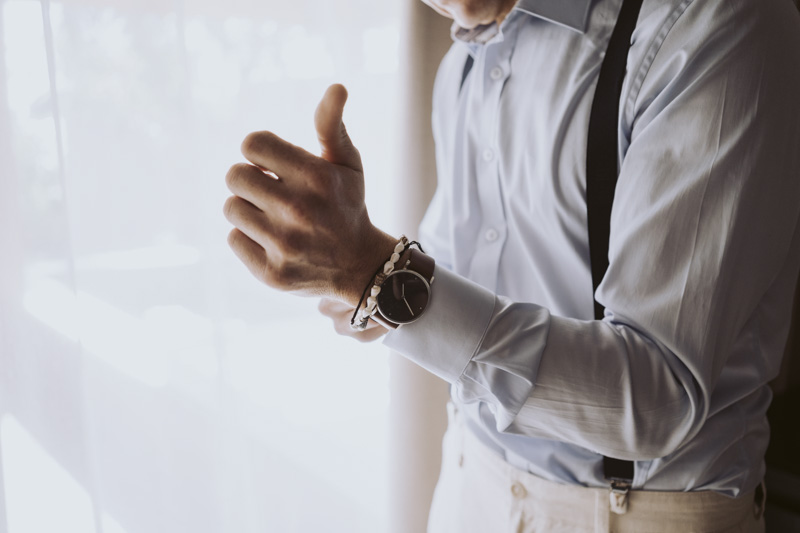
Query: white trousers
{"x": 478, "y": 492}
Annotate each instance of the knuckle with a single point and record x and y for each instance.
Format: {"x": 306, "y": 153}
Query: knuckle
{"x": 233, "y": 238}
{"x": 256, "y": 141}
{"x": 250, "y": 142}
{"x": 229, "y": 209}
{"x": 234, "y": 176}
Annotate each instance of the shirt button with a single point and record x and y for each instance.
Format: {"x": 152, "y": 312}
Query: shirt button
{"x": 491, "y": 235}
{"x": 496, "y": 73}
{"x": 488, "y": 154}
{"x": 518, "y": 491}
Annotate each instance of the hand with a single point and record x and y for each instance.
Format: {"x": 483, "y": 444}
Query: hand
{"x": 341, "y": 313}
{"x": 301, "y": 222}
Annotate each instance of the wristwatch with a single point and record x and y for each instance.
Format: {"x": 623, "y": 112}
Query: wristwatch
{"x": 406, "y": 291}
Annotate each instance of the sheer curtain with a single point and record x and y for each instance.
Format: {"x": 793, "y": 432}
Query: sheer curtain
{"x": 147, "y": 382}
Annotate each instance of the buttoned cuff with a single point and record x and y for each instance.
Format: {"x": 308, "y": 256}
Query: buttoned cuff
{"x": 446, "y": 338}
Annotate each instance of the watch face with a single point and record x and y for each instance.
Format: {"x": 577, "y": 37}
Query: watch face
{"x": 404, "y": 296}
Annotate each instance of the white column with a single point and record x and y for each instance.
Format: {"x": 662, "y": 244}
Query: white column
{"x": 417, "y": 409}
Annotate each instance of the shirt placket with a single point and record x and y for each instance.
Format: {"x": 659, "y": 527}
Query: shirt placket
{"x": 494, "y": 69}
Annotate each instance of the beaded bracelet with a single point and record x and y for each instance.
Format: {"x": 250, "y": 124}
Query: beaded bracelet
{"x": 380, "y": 275}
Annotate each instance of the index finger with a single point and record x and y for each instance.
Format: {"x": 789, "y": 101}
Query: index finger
{"x": 268, "y": 151}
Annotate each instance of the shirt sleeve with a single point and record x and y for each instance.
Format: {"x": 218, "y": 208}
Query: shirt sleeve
{"x": 703, "y": 232}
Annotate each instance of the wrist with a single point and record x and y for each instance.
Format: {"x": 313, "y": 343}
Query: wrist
{"x": 371, "y": 253}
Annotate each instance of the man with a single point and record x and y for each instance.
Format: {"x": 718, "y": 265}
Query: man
{"x": 703, "y": 258}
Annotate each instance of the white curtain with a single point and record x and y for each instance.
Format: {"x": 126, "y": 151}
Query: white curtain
{"x": 147, "y": 383}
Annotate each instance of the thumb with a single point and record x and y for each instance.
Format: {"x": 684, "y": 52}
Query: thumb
{"x": 336, "y": 145}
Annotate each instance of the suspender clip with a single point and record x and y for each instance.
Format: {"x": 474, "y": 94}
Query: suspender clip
{"x": 618, "y": 497}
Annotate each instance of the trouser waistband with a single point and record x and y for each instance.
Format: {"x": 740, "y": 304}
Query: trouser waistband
{"x": 472, "y": 467}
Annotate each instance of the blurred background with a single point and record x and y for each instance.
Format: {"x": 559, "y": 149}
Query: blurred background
{"x": 147, "y": 382}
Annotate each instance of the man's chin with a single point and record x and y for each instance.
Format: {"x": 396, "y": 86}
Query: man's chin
{"x": 465, "y": 25}
{"x": 470, "y": 22}
{"x": 465, "y": 21}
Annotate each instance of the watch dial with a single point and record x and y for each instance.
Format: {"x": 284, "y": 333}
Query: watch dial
{"x": 403, "y": 297}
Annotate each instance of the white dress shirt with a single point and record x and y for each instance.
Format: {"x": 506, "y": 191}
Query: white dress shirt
{"x": 704, "y": 248}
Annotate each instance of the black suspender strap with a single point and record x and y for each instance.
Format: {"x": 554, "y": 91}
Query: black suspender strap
{"x": 601, "y": 153}
{"x": 601, "y": 181}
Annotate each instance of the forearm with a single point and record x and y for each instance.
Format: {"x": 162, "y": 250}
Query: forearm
{"x": 609, "y": 388}
{"x": 595, "y": 384}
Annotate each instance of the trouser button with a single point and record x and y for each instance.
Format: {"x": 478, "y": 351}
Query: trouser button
{"x": 518, "y": 490}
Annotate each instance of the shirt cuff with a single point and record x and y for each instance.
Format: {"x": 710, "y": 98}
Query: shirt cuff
{"x": 448, "y": 335}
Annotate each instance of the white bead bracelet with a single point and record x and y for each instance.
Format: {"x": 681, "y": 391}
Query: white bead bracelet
{"x": 372, "y": 301}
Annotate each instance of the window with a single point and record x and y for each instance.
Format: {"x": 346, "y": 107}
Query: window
{"x": 145, "y": 376}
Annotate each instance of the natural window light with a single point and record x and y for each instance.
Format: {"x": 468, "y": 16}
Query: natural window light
{"x": 149, "y": 383}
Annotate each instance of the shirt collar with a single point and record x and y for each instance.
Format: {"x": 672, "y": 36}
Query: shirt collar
{"x": 570, "y": 13}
